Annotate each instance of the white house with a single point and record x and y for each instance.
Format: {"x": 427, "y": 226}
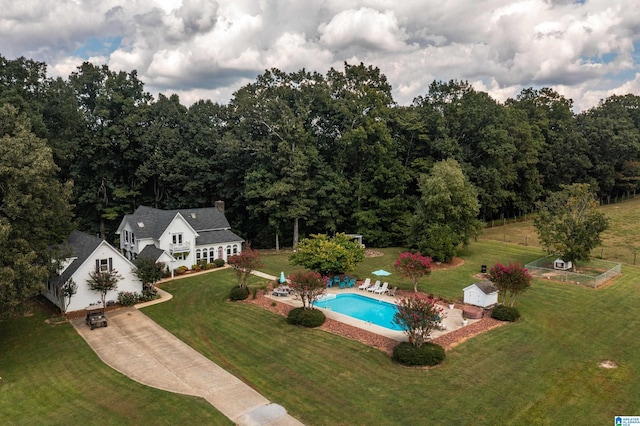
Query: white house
{"x": 177, "y": 238}
{"x": 88, "y": 253}
{"x": 483, "y": 294}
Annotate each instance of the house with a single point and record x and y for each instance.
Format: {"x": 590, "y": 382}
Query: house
{"x": 86, "y": 254}
{"x": 561, "y": 265}
{"x": 483, "y": 294}
{"x": 183, "y": 237}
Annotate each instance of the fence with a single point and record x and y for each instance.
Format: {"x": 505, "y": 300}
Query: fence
{"x": 543, "y": 268}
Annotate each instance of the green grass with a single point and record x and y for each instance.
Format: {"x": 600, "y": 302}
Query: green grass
{"x": 620, "y": 242}
{"x": 49, "y": 376}
{"x": 540, "y": 370}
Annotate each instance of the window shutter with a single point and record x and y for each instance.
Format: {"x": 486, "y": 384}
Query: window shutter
{"x": 111, "y": 264}
{"x": 97, "y": 264}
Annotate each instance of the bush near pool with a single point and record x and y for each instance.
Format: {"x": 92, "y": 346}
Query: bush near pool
{"x": 306, "y": 317}
{"x": 238, "y": 293}
{"x": 505, "y": 313}
{"x": 427, "y": 354}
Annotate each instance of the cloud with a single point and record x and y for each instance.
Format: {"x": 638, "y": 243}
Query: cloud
{"x": 585, "y": 49}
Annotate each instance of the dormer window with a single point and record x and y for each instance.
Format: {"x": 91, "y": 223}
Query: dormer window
{"x": 140, "y": 224}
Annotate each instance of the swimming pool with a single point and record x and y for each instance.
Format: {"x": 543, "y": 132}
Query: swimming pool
{"x": 363, "y": 308}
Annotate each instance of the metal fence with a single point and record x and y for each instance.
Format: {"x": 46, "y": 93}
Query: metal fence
{"x": 543, "y": 269}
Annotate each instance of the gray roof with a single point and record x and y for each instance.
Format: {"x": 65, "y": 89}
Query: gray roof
{"x": 217, "y": 237}
{"x": 81, "y": 246}
{"x": 155, "y": 221}
{"x": 486, "y": 286}
{"x": 151, "y": 252}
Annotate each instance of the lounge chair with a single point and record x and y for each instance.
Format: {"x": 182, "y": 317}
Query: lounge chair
{"x": 392, "y": 291}
{"x": 366, "y": 284}
{"x": 383, "y": 289}
{"x": 374, "y": 287}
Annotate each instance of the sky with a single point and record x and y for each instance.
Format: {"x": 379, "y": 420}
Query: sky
{"x": 586, "y": 50}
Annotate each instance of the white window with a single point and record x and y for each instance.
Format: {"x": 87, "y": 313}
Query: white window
{"x": 212, "y": 255}
{"x": 177, "y": 238}
{"x": 133, "y": 238}
{"x": 235, "y": 249}
{"x": 198, "y": 255}
{"x": 228, "y": 251}
{"x": 104, "y": 265}
{"x": 126, "y": 236}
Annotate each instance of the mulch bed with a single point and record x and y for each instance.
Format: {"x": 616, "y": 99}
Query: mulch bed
{"x": 385, "y": 344}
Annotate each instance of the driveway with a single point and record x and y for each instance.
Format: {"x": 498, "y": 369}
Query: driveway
{"x": 139, "y": 348}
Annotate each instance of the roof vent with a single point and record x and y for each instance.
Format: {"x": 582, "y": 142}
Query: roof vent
{"x": 193, "y": 215}
{"x": 141, "y": 224}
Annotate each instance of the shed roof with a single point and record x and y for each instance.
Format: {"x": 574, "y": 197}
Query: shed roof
{"x": 486, "y": 286}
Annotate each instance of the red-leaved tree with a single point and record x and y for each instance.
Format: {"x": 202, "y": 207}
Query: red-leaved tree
{"x": 307, "y": 286}
{"x": 244, "y": 263}
{"x": 510, "y": 280}
{"x": 413, "y": 266}
{"x": 418, "y": 315}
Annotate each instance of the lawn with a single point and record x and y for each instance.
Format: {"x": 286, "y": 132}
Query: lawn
{"x": 620, "y": 242}
{"x": 541, "y": 370}
{"x": 48, "y": 375}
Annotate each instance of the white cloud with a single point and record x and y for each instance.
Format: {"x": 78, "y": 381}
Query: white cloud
{"x": 208, "y": 49}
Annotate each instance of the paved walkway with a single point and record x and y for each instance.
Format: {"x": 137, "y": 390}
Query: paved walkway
{"x": 139, "y": 348}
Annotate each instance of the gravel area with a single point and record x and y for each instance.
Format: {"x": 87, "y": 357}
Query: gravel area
{"x": 382, "y": 343}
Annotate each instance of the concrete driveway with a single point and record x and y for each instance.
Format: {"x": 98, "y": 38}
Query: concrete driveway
{"x": 139, "y": 348}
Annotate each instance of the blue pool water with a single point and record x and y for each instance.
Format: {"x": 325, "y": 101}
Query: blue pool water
{"x": 363, "y": 308}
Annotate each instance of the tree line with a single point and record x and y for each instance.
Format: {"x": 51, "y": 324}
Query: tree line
{"x": 298, "y": 153}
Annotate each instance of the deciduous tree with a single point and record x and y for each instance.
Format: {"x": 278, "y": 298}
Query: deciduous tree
{"x": 244, "y": 263}
{"x": 418, "y": 316}
{"x": 102, "y": 282}
{"x": 34, "y": 210}
{"x": 328, "y": 256}
{"x": 511, "y": 281}
{"x": 308, "y": 287}
{"x": 413, "y": 266}
{"x": 569, "y": 223}
{"x": 446, "y": 215}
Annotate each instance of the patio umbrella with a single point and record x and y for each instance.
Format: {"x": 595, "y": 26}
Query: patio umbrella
{"x": 381, "y": 273}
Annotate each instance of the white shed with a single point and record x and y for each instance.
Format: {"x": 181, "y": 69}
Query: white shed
{"x": 483, "y": 294}
{"x": 561, "y": 264}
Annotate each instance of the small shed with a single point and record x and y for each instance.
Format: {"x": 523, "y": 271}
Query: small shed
{"x": 483, "y": 294}
{"x": 561, "y": 265}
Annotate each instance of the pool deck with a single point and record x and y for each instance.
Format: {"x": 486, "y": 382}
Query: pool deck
{"x": 452, "y": 321}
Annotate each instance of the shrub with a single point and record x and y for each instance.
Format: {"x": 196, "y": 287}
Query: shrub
{"x": 239, "y": 293}
{"x": 149, "y": 292}
{"x": 181, "y": 270}
{"x": 505, "y": 313}
{"x": 196, "y": 267}
{"x": 128, "y": 298}
{"x": 254, "y": 292}
{"x": 427, "y": 354}
{"x": 306, "y": 317}
{"x": 218, "y": 263}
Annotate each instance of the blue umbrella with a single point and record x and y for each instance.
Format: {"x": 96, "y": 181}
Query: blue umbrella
{"x": 381, "y": 273}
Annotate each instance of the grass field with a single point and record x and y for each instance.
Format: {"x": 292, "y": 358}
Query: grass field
{"x": 620, "y": 241}
{"x": 542, "y": 370}
{"x": 49, "y": 376}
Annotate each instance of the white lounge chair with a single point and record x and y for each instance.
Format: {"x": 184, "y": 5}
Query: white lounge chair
{"x": 392, "y": 291}
{"x": 383, "y": 289}
{"x": 365, "y": 285}
{"x": 374, "y": 287}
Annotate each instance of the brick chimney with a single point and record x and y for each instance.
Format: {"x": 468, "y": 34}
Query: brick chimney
{"x": 220, "y": 205}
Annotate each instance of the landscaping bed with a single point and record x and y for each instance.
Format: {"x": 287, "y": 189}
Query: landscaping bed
{"x": 382, "y": 343}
